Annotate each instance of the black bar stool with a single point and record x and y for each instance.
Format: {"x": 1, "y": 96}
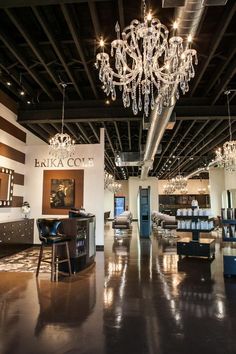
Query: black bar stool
{"x": 50, "y": 236}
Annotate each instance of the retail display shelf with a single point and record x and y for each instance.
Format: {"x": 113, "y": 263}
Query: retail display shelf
{"x": 193, "y": 230}
{"x": 194, "y": 217}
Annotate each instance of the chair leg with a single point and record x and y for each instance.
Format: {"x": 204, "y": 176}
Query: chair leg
{"x": 40, "y": 258}
{"x": 53, "y": 263}
{"x": 68, "y": 257}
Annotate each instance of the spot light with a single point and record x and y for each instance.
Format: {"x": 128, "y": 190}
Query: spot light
{"x": 8, "y": 83}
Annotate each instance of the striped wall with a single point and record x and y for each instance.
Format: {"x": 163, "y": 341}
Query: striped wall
{"x": 12, "y": 155}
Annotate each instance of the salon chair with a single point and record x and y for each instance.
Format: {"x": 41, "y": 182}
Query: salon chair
{"x": 49, "y": 235}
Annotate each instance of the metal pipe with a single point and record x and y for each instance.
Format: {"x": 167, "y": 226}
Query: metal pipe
{"x": 188, "y": 18}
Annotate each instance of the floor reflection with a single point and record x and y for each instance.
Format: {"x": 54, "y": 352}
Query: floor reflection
{"x": 139, "y": 298}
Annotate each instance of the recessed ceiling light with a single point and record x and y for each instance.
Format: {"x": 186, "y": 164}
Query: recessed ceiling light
{"x": 8, "y": 83}
{"x": 107, "y": 102}
{"x": 22, "y": 93}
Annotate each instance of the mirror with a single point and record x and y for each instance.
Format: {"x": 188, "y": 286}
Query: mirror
{"x": 6, "y": 186}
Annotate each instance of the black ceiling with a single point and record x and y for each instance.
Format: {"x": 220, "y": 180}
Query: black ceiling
{"x": 44, "y": 45}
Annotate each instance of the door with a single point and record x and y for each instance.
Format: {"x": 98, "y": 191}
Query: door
{"x": 119, "y": 205}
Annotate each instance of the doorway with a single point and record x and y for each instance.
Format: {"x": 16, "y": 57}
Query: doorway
{"x": 119, "y": 205}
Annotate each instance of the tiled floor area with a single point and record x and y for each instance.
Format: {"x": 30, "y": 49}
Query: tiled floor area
{"x": 139, "y": 298}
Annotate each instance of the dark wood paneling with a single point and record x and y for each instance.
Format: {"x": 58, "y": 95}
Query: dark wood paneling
{"x": 17, "y": 201}
{"x": 19, "y": 179}
{"x": 11, "y": 153}
{"x": 19, "y": 231}
{"x": 12, "y": 129}
{"x": 8, "y": 102}
{"x": 76, "y": 175}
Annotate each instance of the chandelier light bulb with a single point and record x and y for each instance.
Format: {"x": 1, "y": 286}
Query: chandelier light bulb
{"x": 148, "y": 65}
{"x": 190, "y": 38}
{"x": 101, "y": 42}
{"x": 175, "y": 25}
{"x": 149, "y": 16}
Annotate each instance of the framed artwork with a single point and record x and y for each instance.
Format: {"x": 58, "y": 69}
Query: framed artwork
{"x": 62, "y": 193}
{"x": 62, "y": 190}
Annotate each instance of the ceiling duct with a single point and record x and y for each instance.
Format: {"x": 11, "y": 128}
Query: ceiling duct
{"x": 129, "y": 159}
{"x": 188, "y": 18}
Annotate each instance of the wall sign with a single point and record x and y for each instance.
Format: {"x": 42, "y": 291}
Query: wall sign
{"x": 70, "y": 162}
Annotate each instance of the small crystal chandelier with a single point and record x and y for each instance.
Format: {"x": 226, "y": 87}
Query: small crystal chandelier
{"x": 169, "y": 188}
{"x": 108, "y": 179}
{"x": 61, "y": 145}
{"x": 110, "y": 183}
{"x": 226, "y": 157}
{"x": 146, "y": 60}
{"x": 114, "y": 187}
{"x": 179, "y": 181}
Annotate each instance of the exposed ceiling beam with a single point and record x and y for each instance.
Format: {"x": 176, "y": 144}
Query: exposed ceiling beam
{"x": 167, "y": 146}
{"x": 72, "y": 27}
{"x": 224, "y": 82}
{"x": 72, "y": 132}
{"x": 13, "y": 49}
{"x": 83, "y": 132}
{"x": 118, "y": 135}
{"x": 94, "y": 131}
{"x": 55, "y": 45}
{"x": 33, "y": 45}
{"x": 221, "y": 28}
{"x": 97, "y": 111}
{"x": 207, "y": 148}
{"x": 140, "y": 135}
{"x": 22, "y": 3}
{"x": 129, "y": 136}
{"x": 121, "y": 14}
{"x": 220, "y": 68}
{"x": 203, "y": 138}
{"x": 14, "y": 76}
{"x": 94, "y": 16}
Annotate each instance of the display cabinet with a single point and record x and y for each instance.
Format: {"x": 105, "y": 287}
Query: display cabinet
{"x": 196, "y": 224}
{"x": 169, "y": 204}
{"x": 229, "y": 254}
{"x": 17, "y": 231}
{"x": 82, "y": 245}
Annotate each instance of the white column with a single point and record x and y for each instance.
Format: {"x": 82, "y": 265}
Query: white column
{"x": 217, "y": 186}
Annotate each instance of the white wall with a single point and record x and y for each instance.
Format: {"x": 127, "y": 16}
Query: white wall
{"x": 93, "y": 182}
{"x": 109, "y": 202}
{"x": 217, "y": 185}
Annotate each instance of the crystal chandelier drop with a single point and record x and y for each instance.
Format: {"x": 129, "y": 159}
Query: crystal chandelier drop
{"x": 169, "y": 188}
{"x": 226, "y": 157}
{"x": 61, "y": 145}
{"x": 146, "y": 60}
{"x": 183, "y": 190}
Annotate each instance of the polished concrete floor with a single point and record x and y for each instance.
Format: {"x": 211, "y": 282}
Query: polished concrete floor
{"x": 138, "y": 298}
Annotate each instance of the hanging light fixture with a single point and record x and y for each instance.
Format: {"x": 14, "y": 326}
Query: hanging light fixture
{"x": 114, "y": 187}
{"x": 108, "y": 179}
{"x": 169, "y": 187}
{"x": 179, "y": 181}
{"x": 146, "y": 60}
{"x": 226, "y": 157}
{"x": 61, "y": 145}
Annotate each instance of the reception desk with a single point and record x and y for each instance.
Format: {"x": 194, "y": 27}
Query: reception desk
{"x": 82, "y": 245}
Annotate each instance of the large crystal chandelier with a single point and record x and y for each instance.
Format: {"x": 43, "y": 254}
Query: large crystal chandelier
{"x": 61, "y": 145}
{"x": 146, "y": 60}
{"x": 226, "y": 157}
{"x": 114, "y": 187}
